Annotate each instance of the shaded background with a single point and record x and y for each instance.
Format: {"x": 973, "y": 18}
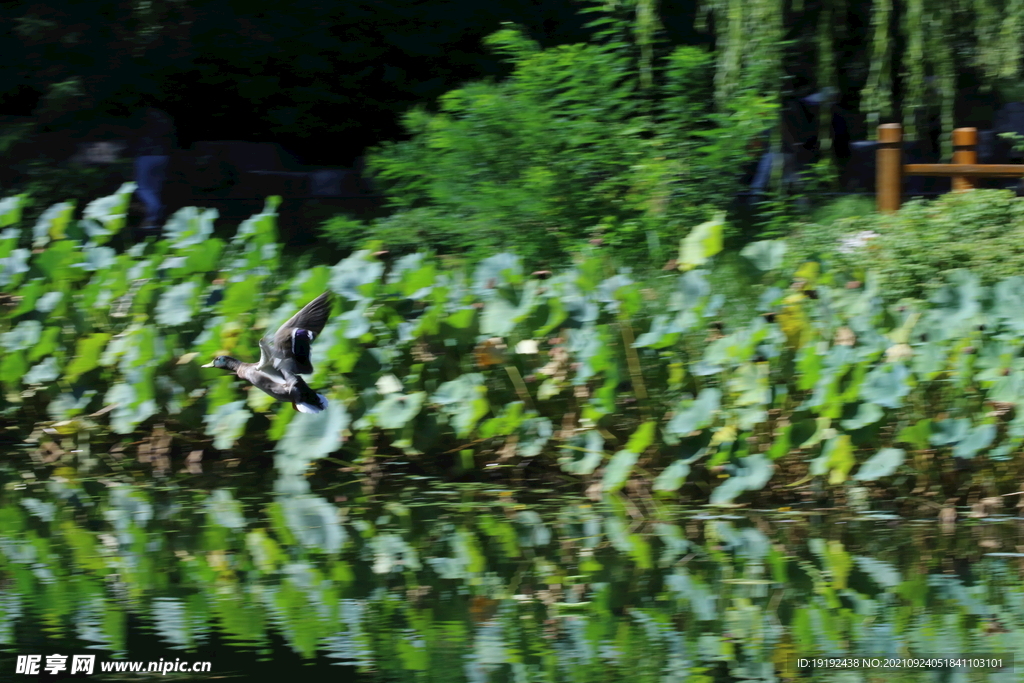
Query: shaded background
{"x": 323, "y": 79}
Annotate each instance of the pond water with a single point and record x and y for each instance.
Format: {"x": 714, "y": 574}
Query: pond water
{"x": 421, "y": 581}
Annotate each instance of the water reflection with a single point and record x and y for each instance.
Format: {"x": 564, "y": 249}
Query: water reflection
{"x": 471, "y": 585}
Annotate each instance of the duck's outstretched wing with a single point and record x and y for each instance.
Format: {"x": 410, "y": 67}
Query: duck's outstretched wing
{"x": 269, "y": 363}
{"x": 291, "y": 342}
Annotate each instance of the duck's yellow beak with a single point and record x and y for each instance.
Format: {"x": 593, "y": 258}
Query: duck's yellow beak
{"x": 208, "y": 365}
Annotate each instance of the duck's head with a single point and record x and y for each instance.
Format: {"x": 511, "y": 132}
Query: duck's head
{"x": 222, "y": 362}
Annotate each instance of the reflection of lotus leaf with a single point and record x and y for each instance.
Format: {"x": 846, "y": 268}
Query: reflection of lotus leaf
{"x": 224, "y": 510}
{"x": 226, "y": 424}
{"x": 310, "y": 437}
{"x": 314, "y": 522}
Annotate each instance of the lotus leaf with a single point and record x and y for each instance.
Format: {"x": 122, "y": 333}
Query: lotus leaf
{"x": 751, "y": 474}
{"x": 189, "y": 226}
{"x": 703, "y": 242}
{"x": 351, "y": 275}
{"x": 397, "y": 410}
{"x": 673, "y": 476}
{"x": 697, "y": 414}
{"x": 10, "y": 210}
{"x": 951, "y": 431}
{"x": 496, "y": 271}
{"x": 25, "y": 335}
{"x": 177, "y": 305}
{"x": 977, "y": 439}
{"x": 766, "y": 255}
{"x": 314, "y": 522}
{"x": 533, "y": 436}
{"x": 44, "y": 372}
{"x": 224, "y": 511}
{"x": 583, "y": 453}
{"x": 867, "y": 413}
{"x": 886, "y": 385}
{"x": 49, "y": 301}
{"x": 884, "y": 463}
{"x": 52, "y": 224}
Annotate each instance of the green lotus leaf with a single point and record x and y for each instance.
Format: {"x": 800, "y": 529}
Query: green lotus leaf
{"x": 766, "y": 255}
{"x": 533, "y": 436}
{"x": 224, "y": 511}
{"x": 951, "y": 431}
{"x": 314, "y": 522}
{"x": 109, "y": 213}
{"x": 498, "y": 318}
{"x": 397, "y": 410}
{"x": 25, "y": 335}
{"x": 350, "y": 277}
{"x": 29, "y": 293}
{"x": 882, "y": 464}
{"x": 10, "y": 209}
{"x": 506, "y": 423}
{"x": 751, "y": 474}
{"x": 13, "y": 265}
{"x": 673, "y": 476}
{"x": 886, "y": 385}
{"x": 642, "y": 437}
{"x": 867, "y": 413}
{"x": 49, "y": 301}
{"x": 177, "y": 305}
{"x": 12, "y": 368}
{"x": 58, "y": 259}
{"x": 203, "y": 258}
{"x": 838, "y": 454}
{"x": 750, "y": 383}
{"x": 583, "y": 453}
{"x": 130, "y": 411}
{"x": 662, "y": 334}
{"x": 44, "y": 372}
{"x": 68, "y": 405}
{"x": 617, "y": 472}
{"x": 496, "y": 271}
{"x": 697, "y": 414}
{"x": 977, "y": 439}
{"x": 703, "y": 242}
{"x": 96, "y": 258}
{"x": 52, "y": 224}
{"x": 189, "y": 226}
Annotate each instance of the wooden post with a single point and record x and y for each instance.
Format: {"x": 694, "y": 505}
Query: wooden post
{"x": 889, "y": 163}
{"x": 965, "y": 151}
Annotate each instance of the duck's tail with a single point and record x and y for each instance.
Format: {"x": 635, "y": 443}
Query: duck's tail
{"x": 315, "y": 403}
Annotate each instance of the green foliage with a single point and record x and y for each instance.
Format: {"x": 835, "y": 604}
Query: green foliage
{"x": 426, "y": 360}
{"x": 566, "y": 148}
{"x": 982, "y": 230}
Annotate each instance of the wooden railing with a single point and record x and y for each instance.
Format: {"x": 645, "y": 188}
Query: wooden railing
{"x": 964, "y": 169}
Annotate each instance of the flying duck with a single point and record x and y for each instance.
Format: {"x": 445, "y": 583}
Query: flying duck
{"x": 284, "y": 356}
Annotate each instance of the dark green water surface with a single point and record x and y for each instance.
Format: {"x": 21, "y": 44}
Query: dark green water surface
{"x": 419, "y": 581}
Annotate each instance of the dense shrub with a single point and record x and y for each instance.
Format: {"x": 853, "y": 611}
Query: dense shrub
{"x": 982, "y": 230}
{"x": 569, "y": 147}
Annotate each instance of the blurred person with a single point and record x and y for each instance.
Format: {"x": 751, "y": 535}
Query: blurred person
{"x": 800, "y": 144}
{"x": 152, "y": 148}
